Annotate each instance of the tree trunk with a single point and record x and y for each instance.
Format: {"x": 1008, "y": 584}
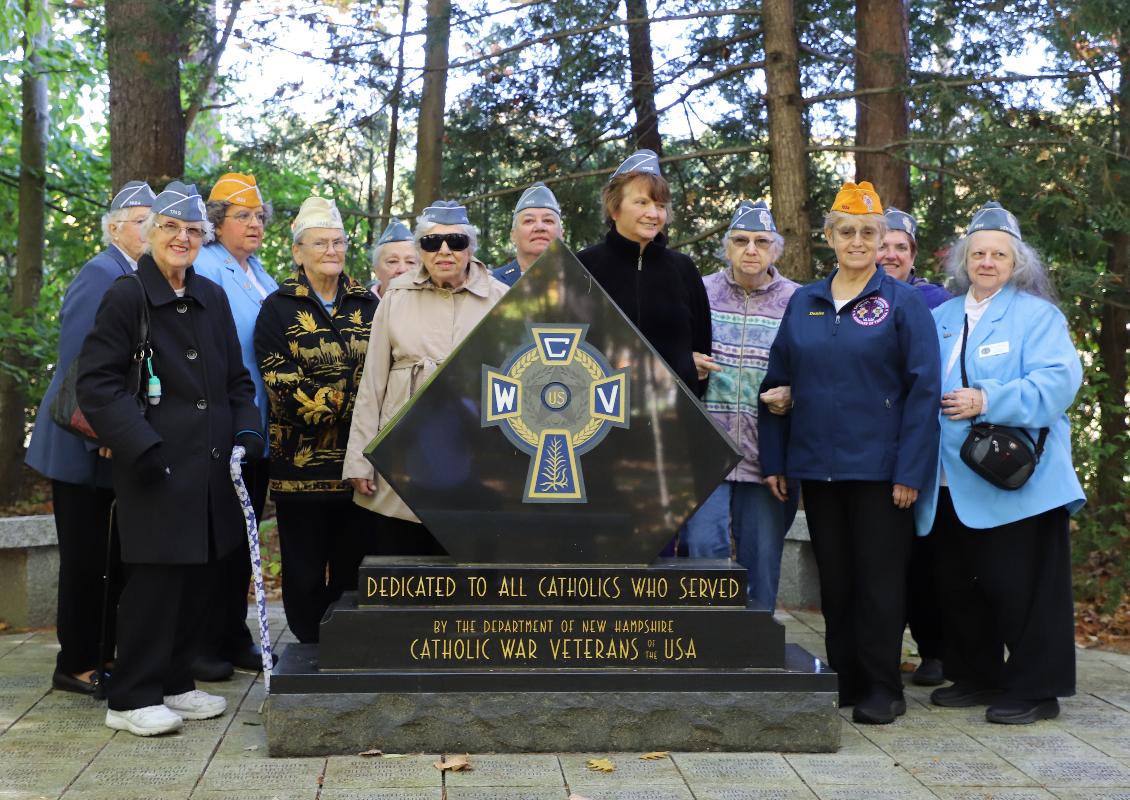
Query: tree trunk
{"x": 788, "y": 162}
{"x": 1113, "y": 339}
{"x": 29, "y": 249}
{"x": 144, "y": 45}
{"x": 429, "y": 139}
{"x": 394, "y": 120}
{"x": 882, "y": 49}
{"x": 645, "y": 133}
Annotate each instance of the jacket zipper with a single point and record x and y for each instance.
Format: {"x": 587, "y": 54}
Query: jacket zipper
{"x": 639, "y": 305}
{"x": 741, "y": 366}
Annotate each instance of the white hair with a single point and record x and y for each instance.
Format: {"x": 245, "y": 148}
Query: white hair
{"x": 115, "y": 217}
{"x": 151, "y": 220}
{"x": 1029, "y": 274}
{"x": 425, "y": 225}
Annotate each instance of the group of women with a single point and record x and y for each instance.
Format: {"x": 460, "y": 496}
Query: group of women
{"x": 843, "y": 388}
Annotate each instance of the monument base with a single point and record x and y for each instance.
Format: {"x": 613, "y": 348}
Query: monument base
{"x": 316, "y": 713}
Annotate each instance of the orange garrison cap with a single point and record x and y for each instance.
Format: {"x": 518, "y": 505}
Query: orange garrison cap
{"x": 237, "y": 189}
{"x": 861, "y": 199}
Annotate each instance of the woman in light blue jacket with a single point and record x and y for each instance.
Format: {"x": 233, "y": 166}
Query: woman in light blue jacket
{"x": 1004, "y": 556}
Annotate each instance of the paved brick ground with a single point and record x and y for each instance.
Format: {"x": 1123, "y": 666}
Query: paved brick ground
{"x": 54, "y": 745}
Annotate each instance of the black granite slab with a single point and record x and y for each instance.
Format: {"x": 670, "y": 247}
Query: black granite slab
{"x": 403, "y": 581}
{"x": 633, "y": 451}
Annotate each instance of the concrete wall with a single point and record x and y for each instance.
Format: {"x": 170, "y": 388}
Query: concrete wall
{"x": 29, "y": 571}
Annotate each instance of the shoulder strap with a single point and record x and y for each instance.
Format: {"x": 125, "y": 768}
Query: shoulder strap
{"x": 964, "y": 338}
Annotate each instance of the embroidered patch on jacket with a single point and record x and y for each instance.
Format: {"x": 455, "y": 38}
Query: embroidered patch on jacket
{"x": 871, "y": 311}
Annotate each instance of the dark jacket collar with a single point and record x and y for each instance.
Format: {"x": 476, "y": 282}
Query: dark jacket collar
{"x": 626, "y": 248}
{"x": 824, "y": 288}
{"x": 157, "y": 285}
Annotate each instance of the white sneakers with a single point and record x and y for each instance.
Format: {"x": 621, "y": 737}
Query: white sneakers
{"x": 147, "y": 721}
{"x": 155, "y": 720}
{"x": 196, "y": 704}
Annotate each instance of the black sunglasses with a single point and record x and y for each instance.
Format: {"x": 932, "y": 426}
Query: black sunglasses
{"x": 454, "y": 241}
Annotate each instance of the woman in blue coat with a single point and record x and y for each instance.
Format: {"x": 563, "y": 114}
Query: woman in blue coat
{"x": 1004, "y": 556}
{"x": 858, "y": 350}
{"x": 81, "y": 491}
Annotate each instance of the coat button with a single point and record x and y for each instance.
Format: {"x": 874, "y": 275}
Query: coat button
{"x": 182, "y": 308}
{"x": 215, "y": 452}
{"x": 202, "y": 404}
{"x": 190, "y": 354}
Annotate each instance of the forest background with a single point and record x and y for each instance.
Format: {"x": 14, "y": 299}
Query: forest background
{"x": 385, "y": 106}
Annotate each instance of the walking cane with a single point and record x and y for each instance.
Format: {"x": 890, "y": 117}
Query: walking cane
{"x": 237, "y": 455}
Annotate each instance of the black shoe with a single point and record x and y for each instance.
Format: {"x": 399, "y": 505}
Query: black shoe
{"x": 929, "y": 673}
{"x": 250, "y": 658}
{"x": 878, "y": 708}
{"x": 69, "y": 683}
{"x": 963, "y": 695}
{"x": 210, "y": 669}
{"x": 1022, "y": 712}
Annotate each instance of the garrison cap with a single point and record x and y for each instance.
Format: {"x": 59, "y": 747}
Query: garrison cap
{"x": 752, "y": 217}
{"x": 858, "y": 199}
{"x": 134, "y": 193}
{"x": 901, "y": 221}
{"x": 994, "y": 217}
{"x": 537, "y": 196}
{"x": 446, "y": 212}
{"x": 396, "y": 231}
{"x": 180, "y": 200}
{"x": 640, "y": 161}
{"x": 316, "y": 212}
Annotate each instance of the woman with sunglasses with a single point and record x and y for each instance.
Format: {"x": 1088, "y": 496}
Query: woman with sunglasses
{"x": 862, "y": 436}
{"x": 423, "y": 316}
{"x": 236, "y": 209}
{"x": 177, "y": 511}
{"x": 310, "y": 339}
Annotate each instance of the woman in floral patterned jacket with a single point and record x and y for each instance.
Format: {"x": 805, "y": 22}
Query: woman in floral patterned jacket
{"x": 311, "y": 338}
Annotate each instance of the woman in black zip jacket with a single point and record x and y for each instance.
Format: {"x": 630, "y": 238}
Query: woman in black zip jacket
{"x": 659, "y": 290}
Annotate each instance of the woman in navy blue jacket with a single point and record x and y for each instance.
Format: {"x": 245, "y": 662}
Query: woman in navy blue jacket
{"x": 859, "y": 352}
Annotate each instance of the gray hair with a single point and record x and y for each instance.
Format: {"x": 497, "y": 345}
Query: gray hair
{"x": 375, "y": 252}
{"x": 151, "y": 220}
{"x": 424, "y": 226}
{"x": 878, "y": 220}
{"x": 1029, "y": 274}
{"x": 115, "y": 217}
{"x": 514, "y": 218}
{"x": 775, "y": 251}
{"x": 216, "y": 210}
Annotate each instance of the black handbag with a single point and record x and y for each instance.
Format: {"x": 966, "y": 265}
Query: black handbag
{"x": 65, "y": 411}
{"x": 1005, "y": 457}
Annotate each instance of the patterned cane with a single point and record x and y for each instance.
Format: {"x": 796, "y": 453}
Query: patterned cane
{"x": 237, "y": 454}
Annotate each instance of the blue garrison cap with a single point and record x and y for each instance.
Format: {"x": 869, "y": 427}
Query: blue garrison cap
{"x": 640, "y": 161}
{"x": 752, "y": 217}
{"x": 901, "y": 221}
{"x": 134, "y": 193}
{"x": 994, "y": 217}
{"x": 181, "y": 201}
{"x": 446, "y": 212}
{"x": 537, "y": 196}
{"x": 396, "y": 231}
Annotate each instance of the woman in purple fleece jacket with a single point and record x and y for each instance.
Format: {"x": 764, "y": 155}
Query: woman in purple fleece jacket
{"x": 747, "y": 301}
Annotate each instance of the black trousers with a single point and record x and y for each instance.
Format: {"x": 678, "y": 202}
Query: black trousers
{"x": 225, "y": 630}
{"x": 85, "y": 530}
{"x": 923, "y": 601}
{"x": 322, "y": 543}
{"x": 862, "y": 542}
{"x": 159, "y": 614}
{"x": 1008, "y": 587}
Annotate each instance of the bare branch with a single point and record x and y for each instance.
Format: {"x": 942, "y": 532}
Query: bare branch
{"x": 944, "y": 82}
{"x": 210, "y": 67}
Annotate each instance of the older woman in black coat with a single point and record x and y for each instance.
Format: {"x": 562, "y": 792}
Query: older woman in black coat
{"x": 177, "y": 509}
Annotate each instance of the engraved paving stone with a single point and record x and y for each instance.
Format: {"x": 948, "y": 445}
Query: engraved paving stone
{"x": 752, "y": 793}
{"x": 1070, "y": 771}
{"x": 994, "y": 793}
{"x": 377, "y": 794}
{"x": 504, "y": 793}
{"x": 735, "y": 769}
{"x": 37, "y": 777}
{"x": 148, "y": 775}
{"x": 415, "y": 771}
{"x": 510, "y": 770}
{"x": 850, "y": 770}
{"x": 597, "y": 790}
{"x": 912, "y": 791}
{"x": 959, "y": 770}
{"x": 291, "y": 774}
{"x": 630, "y": 771}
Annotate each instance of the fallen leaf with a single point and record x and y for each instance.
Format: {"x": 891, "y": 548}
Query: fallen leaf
{"x": 655, "y": 755}
{"x": 600, "y": 765}
{"x": 252, "y": 747}
{"x": 370, "y": 753}
{"x": 256, "y": 724}
{"x": 454, "y": 764}
{"x": 395, "y": 755}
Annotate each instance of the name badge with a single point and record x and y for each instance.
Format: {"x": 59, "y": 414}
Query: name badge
{"x": 998, "y": 349}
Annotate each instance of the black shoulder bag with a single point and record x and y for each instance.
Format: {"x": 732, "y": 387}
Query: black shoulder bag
{"x": 1005, "y": 457}
{"x": 65, "y": 411}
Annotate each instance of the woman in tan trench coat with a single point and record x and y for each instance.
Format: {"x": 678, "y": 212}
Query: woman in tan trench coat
{"x": 423, "y": 315}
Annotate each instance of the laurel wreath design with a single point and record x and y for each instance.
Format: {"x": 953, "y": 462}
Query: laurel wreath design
{"x": 591, "y": 427}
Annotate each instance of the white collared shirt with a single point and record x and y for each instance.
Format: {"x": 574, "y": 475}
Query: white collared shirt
{"x": 125, "y": 255}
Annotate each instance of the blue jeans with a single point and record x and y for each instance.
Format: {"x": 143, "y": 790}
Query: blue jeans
{"x": 759, "y": 523}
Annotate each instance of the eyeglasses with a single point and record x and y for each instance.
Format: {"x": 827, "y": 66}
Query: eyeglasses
{"x": 322, "y": 245}
{"x": 865, "y": 233}
{"x": 245, "y": 217}
{"x": 742, "y": 242}
{"x": 173, "y": 231}
{"x": 454, "y": 241}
